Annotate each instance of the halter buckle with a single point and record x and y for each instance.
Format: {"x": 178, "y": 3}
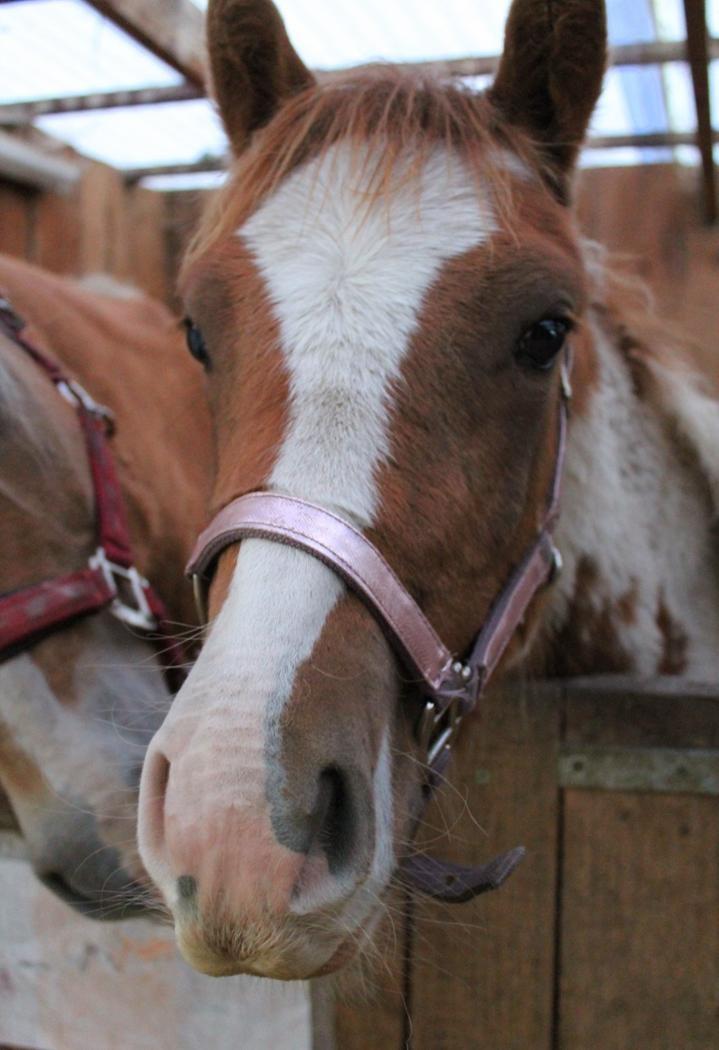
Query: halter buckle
{"x": 130, "y": 603}
{"x": 438, "y": 727}
{"x": 199, "y": 591}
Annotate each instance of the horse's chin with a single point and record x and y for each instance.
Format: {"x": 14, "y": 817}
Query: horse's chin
{"x": 293, "y": 955}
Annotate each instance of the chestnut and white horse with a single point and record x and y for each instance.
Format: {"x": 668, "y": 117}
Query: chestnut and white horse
{"x": 78, "y": 707}
{"x": 382, "y": 294}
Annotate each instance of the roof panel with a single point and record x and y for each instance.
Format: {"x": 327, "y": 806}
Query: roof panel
{"x": 142, "y": 136}
{"x": 52, "y": 48}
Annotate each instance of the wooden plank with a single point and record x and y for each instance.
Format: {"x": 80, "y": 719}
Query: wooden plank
{"x": 698, "y": 54}
{"x": 16, "y": 208}
{"x": 619, "y": 712}
{"x": 483, "y": 971}
{"x": 640, "y": 938}
{"x": 102, "y": 223}
{"x": 174, "y": 30}
{"x": 147, "y": 265}
{"x": 25, "y": 112}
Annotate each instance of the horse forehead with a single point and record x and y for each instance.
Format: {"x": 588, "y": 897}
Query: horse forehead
{"x": 326, "y": 234}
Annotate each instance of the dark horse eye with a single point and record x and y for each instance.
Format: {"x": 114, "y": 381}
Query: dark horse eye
{"x": 196, "y": 343}
{"x": 541, "y": 343}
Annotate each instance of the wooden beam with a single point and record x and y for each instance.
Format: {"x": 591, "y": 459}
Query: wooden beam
{"x": 174, "y": 30}
{"x": 698, "y": 55}
{"x": 651, "y": 140}
{"x": 207, "y": 164}
{"x": 658, "y": 140}
{"x": 657, "y": 52}
{"x": 18, "y": 113}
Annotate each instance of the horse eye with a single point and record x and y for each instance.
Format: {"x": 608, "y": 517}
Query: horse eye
{"x": 196, "y": 343}
{"x": 541, "y": 343}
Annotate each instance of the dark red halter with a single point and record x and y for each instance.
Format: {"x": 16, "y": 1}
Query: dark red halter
{"x": 110, "y": 580}
{"x": 451, "y": 686}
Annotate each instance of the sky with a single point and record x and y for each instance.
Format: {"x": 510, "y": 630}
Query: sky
{"x": 51, "y": 48}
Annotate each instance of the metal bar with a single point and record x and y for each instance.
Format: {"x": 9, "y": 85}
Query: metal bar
{"x": 19, "y": 113}
{"x": 640, "y": 769}
{"x": 698, "y": 55}
{"x": 174, "y": 30}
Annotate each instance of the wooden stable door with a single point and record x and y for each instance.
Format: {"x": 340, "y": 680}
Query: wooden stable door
{"x": 608, "y": 935}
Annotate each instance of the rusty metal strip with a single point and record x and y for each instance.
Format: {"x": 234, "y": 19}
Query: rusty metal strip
{"x": 694, "y": 772}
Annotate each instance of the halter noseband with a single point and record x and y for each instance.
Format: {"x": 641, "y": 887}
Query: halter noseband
{"x": 110, "y": 579}
{"x": 451, "y": 686}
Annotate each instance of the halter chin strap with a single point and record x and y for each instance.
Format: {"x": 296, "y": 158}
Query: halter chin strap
{"x": 451, "y": 686}
{"x": 110, "y": 579}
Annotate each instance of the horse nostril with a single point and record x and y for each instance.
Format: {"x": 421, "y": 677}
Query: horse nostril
{"x": 154, "y": 788}
{"x": 333, "y": 818}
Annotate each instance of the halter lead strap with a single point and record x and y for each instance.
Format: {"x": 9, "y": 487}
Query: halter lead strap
{"x": 451, "y": 686}
{"x": 110, "y": 579}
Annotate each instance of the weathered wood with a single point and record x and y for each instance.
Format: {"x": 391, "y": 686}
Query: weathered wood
{"x": 482, "y": 973}
{"x": 25, "y": 112}
{"x": 146, "y": 259}
{"x": 616, "y": 712}
{"x": 640, "y": 937}
{"x": 174, "y": 30}
{"x": 698, "y": 54}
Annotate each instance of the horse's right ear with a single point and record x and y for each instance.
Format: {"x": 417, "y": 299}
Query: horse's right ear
{"x": 551, "y": 72}
{"x": 254, "y": 66}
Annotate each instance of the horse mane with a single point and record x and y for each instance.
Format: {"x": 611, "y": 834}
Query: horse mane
{"x": 389, "y": 115}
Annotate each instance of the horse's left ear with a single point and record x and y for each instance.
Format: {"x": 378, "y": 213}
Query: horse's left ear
{"x": 254, "y": 66}
{"x": 551, "y": 72}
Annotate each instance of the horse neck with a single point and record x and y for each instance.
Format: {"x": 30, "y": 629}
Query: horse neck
{"x": 640, "y": 590}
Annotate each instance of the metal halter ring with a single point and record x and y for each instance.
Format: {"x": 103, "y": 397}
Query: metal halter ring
{"x": 121, "y": 581}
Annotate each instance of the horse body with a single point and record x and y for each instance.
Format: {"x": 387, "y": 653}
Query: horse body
{"x": 78, "y": 708}
{"x": 384, "y": 289}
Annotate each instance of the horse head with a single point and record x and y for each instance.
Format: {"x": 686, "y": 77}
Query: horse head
{"x": 381, "y": 296}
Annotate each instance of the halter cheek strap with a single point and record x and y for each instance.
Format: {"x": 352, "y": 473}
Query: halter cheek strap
{"x": 451, "y": 686}
{"x": 110, "y": 579}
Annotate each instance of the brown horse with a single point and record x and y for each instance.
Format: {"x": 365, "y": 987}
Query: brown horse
{"x": 78, "y": 708}
{"x": 383, "y": 293}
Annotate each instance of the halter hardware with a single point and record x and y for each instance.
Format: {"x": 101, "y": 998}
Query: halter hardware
{"x": 110, "y": 580}
{"x": 126, "y": 582}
